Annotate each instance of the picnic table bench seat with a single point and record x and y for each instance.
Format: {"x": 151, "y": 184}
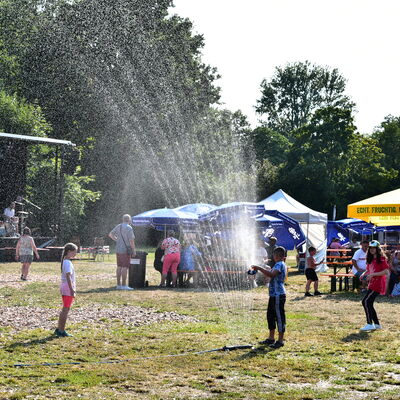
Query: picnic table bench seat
{"x": 343, "y": 278}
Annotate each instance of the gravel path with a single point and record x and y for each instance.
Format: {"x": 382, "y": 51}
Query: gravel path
{"x": 28, "y": 317}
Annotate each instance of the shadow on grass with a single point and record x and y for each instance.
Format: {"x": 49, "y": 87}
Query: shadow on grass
{"x": 33, "y": 342}
{"x": 353, "y": 296}
{"x": 356, "y": 337}
{"x": 99, "y": 290}
{"x": 147, "y": 289}
{"x": 255, "y": 352}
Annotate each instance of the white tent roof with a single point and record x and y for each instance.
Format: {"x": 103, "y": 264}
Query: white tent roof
{"x": 286, "y": 204}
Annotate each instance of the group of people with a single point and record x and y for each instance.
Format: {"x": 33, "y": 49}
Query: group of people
{"x": 172, "y": 257}
{"x": 377, "y": 272}
{"x": 370, "y": 266}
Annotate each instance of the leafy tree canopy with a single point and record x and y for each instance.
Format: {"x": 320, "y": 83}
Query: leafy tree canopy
{"x": 329, "y": 162}
{"x": 271, "y": 145}
{"x": 289, "y": 99}
{"x": 388, "y": 139}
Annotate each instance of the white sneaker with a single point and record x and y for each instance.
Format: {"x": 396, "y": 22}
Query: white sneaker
{"x": 378, "y": 326}
{"x": 368, "y": 327}
{"x": 119, "y": 287}
{"x": 126, "y": 288}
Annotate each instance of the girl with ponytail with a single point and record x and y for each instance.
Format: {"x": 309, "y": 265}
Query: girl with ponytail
{"x": 67, "y": 287}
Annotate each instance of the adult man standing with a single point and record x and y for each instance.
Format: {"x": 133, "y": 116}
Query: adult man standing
{"x": 125, "y": 249}
{"x": 359, "y": 261}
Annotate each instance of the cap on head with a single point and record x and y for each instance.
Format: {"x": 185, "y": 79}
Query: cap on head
{"x": 374, "y": 243}
{"x": 273, "y": 238}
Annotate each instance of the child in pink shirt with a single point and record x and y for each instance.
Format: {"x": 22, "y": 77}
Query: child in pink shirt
{"x": 377, "y": 270}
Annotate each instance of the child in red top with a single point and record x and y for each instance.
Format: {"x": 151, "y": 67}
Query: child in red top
{"x": 377, "y": 270}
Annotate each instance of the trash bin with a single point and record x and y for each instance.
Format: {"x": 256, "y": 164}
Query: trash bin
{"x": 137, "y": 270}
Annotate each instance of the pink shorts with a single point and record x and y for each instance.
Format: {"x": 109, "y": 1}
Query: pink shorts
{"x": 171, "y": 262}
{"x": 67, "y": 301}
{"x": 123, "y": 260}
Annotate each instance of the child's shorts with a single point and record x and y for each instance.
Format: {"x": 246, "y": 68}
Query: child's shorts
{"x": 67, "y": 301}
{"x": 311, "y": 275}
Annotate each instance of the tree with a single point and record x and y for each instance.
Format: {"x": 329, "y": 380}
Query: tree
{"x": 270, "y": 145}
{"x": 296, "y": 91}
{"x": 124, "y": 81}
{"x": 329, "y": 162}
{"x": 268, "y": 178}
{"x": 368, "y": 175}
{"x": 19, "y": 117}
{"x": 388, "y": 139}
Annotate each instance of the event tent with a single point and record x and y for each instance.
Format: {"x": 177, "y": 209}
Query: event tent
{"x": 313, "y": 223}
{"x": 163, "y": 219}
{"x": 381, "y": 210}
{"x": 284, "y": 228}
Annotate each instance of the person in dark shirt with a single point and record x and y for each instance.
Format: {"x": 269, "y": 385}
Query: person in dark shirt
{"x": 158, "y": 255}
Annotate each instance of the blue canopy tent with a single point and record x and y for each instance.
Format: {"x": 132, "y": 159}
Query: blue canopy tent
{"x": 163, "y": 219}
{"x": 231, "y": 212}
{"x": 231, "y": 221}
{"x": 335, "y": 230}
{"x": 357, "y": 225}
{"x": 387, "y": 229}
{"x": 344, "y": 228}
{"x": 196, "y": 208}
{"x": 285, "y": 229}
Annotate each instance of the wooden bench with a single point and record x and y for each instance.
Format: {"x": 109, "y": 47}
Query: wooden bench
{"x": 343, "y": 278}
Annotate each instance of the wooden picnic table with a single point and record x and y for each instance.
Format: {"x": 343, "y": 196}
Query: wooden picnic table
{"x": 339, "y": 262}
{"x": 343, "y": 281}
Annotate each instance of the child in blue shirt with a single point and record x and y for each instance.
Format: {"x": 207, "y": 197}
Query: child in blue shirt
{"x": 277, "y": 297}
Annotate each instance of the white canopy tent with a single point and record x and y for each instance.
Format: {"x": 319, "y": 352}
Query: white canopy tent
{"x": 313, "y": 223}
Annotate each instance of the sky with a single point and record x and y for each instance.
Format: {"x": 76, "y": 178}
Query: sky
{"x": 246, "y": 40}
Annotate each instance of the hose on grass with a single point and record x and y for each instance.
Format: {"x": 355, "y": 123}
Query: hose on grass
{"x": 56, "y": 364}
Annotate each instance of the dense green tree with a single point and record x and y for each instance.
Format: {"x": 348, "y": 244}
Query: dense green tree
{"x": 271, "y": 145}
{"x": 329, "y": 162}
{"x": 388, "y": 139}
{"x": 368, "y": 175}
{"x": 268, "y": 178}
{"x": 18, "y": 117}
{"x": 295, "y": 91}
{"x": 122, "y": 79}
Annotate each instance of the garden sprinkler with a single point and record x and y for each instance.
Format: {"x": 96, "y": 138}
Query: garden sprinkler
{"x": 237, "y": 347}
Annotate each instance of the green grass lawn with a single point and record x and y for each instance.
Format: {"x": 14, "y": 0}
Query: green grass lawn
{"x": 325, "y": 356}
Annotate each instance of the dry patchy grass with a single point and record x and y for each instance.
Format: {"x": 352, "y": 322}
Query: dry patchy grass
{"x": 325, "y": 356}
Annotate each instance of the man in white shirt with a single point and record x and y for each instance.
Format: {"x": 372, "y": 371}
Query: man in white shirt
{"x": 359, "y": 261}
{"x": 9, "y": 212}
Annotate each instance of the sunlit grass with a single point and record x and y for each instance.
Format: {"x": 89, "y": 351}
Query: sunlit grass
{"x": 325, "y": 356}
